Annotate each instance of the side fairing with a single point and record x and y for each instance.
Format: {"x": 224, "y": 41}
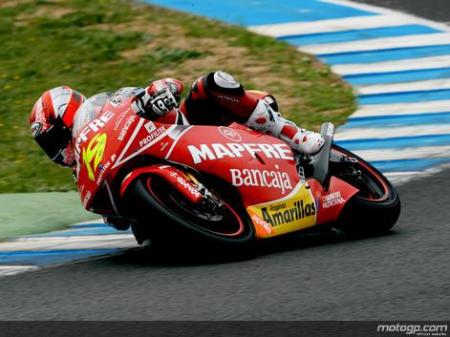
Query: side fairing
{"x": 261, "y": 167}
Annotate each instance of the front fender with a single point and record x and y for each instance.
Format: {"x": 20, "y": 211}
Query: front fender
{"x": 174, "y": 176}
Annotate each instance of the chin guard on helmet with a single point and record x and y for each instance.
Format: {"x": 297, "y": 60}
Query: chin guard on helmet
{"x": 54, "y": 141}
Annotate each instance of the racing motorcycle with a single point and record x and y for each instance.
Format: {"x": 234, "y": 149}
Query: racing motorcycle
{"x": 225, "y": 184}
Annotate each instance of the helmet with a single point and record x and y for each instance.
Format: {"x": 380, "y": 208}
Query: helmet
{"x": 51, "y": 123}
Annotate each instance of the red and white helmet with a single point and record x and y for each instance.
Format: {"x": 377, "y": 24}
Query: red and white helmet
{"x": 51, "y": 123}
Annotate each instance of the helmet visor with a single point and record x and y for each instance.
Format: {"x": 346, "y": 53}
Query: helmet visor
{"x": 54, "y": 140}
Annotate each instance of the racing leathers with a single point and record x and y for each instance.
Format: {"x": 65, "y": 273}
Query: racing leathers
{"x": 218, "y": 99}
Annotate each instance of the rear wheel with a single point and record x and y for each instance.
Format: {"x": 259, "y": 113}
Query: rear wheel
{"x": 376, "y": 207}
{"x": 167, "y": 216}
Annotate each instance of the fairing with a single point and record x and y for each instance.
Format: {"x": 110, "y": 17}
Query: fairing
{"x": 260, "y": 167}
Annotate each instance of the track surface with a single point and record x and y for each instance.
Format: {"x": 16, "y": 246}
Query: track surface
{"x": 437, "y": 10}
{"x": 403, "y": 275}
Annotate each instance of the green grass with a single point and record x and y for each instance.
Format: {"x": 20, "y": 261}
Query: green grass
{"x": 102, "y": 45}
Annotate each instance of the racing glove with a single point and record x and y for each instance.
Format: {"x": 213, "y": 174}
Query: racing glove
{"x": 158, "y": 98}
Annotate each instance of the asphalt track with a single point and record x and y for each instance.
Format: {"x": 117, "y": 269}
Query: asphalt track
{"x": 437, "y": 10}
{"x": 403, "y": 275}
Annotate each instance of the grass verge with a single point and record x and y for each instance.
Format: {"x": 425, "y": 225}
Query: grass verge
{"x": 29, "y": 213}
{"x": 102, "y": 45}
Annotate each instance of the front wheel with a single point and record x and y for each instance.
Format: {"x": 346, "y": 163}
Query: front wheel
{"x": 167, "y": 216}
{"x": 376, "y": 207}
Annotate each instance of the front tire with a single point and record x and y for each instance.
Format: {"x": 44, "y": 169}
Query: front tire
{"x": 167, "y": 218}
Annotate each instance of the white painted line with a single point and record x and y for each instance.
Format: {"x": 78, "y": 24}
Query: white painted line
{"x": 386, "y": 11}
{"x": 333, "y": 25}
{"x": 402, "y": 109}
{"x": 385, "y": 67}
{"x": 405, "y": 153}
{"x": 119, "y": 241}
{"x": 14, "y": 270}
{"x": 443, "y": 83}
{"x": 379, "y": 44}
{"x": 380, "y": 133}
{"x": 95, "y": 221}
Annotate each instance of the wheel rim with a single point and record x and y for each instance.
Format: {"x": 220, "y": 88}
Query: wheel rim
{"x": 370, "y": 182}
{"x": 224, "y": 222}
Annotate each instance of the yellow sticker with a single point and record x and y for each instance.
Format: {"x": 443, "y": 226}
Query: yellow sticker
{"x": 93, "y": 154}
{"x": 291, "y": 213}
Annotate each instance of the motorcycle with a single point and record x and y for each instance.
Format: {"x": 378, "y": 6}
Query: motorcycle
{"x": 223, "y": 184}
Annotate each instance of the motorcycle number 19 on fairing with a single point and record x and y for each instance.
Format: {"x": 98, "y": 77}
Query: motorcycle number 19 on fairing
{"x": 227, "y": 184}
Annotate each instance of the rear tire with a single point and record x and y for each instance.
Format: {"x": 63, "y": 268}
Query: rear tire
{"x": 373, "y": 210}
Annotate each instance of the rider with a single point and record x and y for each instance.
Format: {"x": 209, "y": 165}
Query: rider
{"x": 214, "y": 99}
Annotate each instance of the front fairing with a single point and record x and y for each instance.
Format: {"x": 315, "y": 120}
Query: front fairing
{"x": 97, "y": 143}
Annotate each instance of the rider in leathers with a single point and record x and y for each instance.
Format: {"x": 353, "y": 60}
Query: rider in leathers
{"x": 214, "y": 99}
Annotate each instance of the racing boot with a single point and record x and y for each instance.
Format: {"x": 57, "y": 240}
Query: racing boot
{"x": 267, "y": 120}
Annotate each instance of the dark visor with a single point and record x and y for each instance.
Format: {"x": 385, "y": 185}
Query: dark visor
{"x": 54, "y": 139}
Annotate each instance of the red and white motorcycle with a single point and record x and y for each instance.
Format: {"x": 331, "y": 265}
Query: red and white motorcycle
{"x": 226, "y": 183}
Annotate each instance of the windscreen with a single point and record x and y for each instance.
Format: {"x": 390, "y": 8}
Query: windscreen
{"x": 88, "y": 111}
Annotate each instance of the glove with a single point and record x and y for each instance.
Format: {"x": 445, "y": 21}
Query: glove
{"x": 151, "y": 102}
{"x": 163, "y": 101}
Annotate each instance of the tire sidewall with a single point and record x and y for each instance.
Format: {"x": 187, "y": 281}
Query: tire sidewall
{"x": 171, "y": 226}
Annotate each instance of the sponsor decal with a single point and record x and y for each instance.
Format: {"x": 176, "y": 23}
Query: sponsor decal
{"x": 228, "y": 98}
{"x": 93, "y": 126}
{"x": 152, "y": 136}
{"x": 150, "y": 126}
{"x": 216, "y": 151}
{"x": 230, "y": 134}
{"x": 93, "y": 154}
{"x": 188, "y": 187}
{"x": 103, "y": 169}
{"x": 126, "y": 126}
{"x": 119, "y": 119}
{"x": 36, "y": 128}
{"x": 86, "y": 198}
{"x": 332, "y": 199}
{"x": 291, "y": 213}
{"x": 261, "y": 178}
{"x": 163, "y": 146}
{"x": 300, "y": 210}
{"x": 256, "y": 219}
{"x": 183, "y": 182}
